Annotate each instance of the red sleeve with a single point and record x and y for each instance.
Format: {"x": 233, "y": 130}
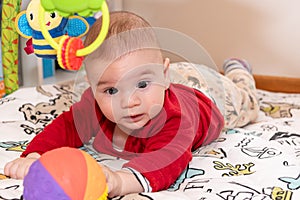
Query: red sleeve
{"x": 188, "y": 119}
{"x": 211, "y": 121}
{"x": 166, "y": 154}
{"x": 72, "y": 128}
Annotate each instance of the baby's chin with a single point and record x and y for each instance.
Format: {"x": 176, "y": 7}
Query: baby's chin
{"x": 129, "y": 130}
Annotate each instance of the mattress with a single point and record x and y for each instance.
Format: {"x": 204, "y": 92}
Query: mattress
{"x": 259, "y": 161}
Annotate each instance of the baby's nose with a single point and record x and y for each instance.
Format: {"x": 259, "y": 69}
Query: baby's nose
{"x": 131, "y": 100}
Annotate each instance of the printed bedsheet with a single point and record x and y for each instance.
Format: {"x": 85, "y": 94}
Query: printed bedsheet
{"x": 258, "y": 162}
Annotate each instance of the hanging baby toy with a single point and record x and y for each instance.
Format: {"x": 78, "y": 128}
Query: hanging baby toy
{"x": 54, "y": 28}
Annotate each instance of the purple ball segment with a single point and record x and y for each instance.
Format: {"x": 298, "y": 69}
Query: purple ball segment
{"x": 41, "y": 185}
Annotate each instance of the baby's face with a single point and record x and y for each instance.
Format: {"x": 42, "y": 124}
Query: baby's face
{"x": 131, "y": 90}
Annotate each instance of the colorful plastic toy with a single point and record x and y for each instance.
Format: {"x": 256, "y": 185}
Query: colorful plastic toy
{"x": 65, "y": 173}
{"x": 56, "y": 27}
{"x": 28, "y": 26}
{"x": 65, "y": 53}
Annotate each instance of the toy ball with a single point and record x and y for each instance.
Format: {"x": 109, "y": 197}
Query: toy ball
{"x": 65, "y": 174}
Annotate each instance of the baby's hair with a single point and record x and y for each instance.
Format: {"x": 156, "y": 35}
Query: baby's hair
{"x": 127, "y": 33}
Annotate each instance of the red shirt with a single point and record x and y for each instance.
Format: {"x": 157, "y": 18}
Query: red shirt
{"x": 160, "y": 150}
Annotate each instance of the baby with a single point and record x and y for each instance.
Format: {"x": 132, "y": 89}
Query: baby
{"x": 131, "y": 110}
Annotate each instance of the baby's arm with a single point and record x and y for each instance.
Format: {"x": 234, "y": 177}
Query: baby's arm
{"x": 19, "y": 167}
{"x": 121, "y": 182}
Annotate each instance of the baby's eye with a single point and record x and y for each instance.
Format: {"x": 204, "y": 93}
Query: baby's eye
{"x": 142, "y": 84}
{"x": 111, "y": 91}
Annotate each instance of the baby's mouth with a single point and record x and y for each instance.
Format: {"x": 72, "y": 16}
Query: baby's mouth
{"x": 136, "y": 118}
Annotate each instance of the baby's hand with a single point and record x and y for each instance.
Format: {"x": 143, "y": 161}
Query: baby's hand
{"x": 113, "y": 181}
{"x": 19, "y": 167}
{"x": 121, "y": 182}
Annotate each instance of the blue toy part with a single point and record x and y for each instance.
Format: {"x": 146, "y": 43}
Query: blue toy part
{"x": 22, "y": 25}
{"x": 76, "y": 26}
{"x": 90, "y": 20}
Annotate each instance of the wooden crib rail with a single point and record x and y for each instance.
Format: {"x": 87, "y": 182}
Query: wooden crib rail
{"x": 278, "y": 84}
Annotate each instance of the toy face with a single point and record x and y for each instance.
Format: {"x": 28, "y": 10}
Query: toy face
{"x": 52, "y": 20}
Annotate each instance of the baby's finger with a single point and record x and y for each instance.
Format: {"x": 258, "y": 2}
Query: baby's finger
{"x": 20, "y": 172}
{"x": 7, "y": 168}
{"x": 11, "y": 169}
{"x": 106, "y": 172}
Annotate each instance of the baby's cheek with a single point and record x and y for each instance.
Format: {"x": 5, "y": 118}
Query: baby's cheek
{"x": 154, "y": 110}
{"x": 108, "y": 111}
{"x": 155, "y": 103}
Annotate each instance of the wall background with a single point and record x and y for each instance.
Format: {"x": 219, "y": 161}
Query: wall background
{"x": 266, "y": 33}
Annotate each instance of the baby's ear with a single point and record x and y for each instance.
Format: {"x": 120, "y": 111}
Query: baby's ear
{"x": 166, "y": 72}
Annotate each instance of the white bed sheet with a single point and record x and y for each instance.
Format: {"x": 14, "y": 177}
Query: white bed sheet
{"x": 258, "y": 162}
